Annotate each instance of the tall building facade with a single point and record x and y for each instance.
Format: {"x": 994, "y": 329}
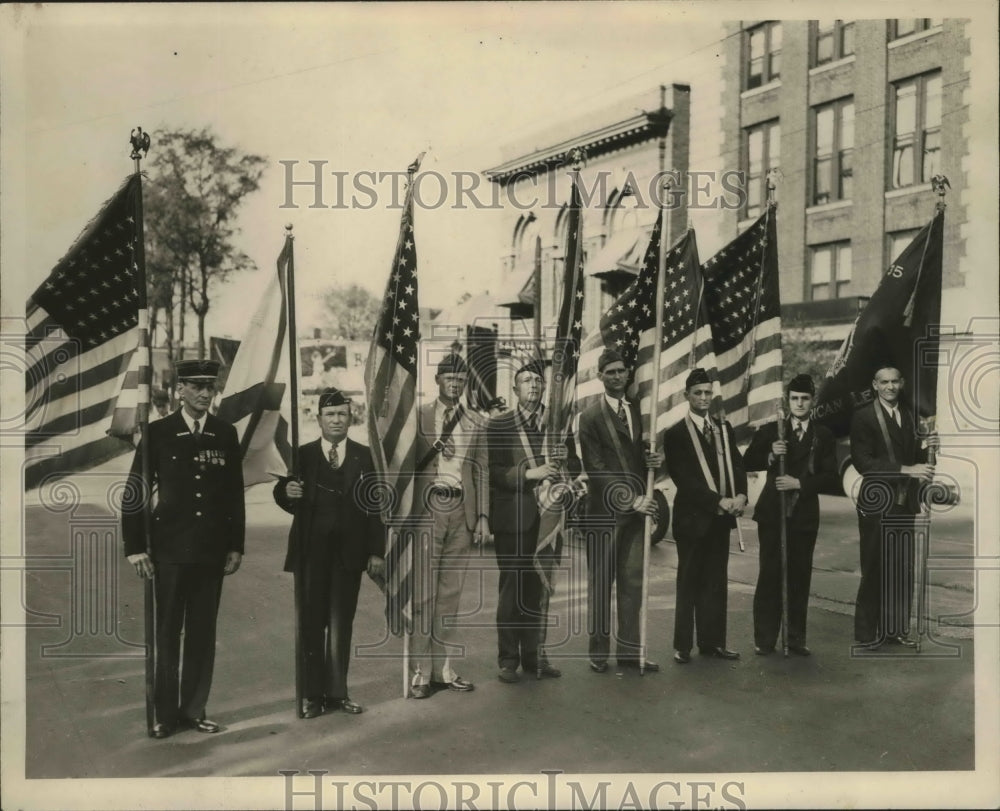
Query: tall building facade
{"x": 857, "y": 116}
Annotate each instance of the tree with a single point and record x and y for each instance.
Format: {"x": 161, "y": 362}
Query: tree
{"x": 351, "y": 313}
{"x": 803, "y": 351}
{"x": 196, "y": 189}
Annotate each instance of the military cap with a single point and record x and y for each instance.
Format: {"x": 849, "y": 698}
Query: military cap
{"x": 609, "y": 356}
{"x": 197, "y": 371}
{"x": 534, "y": 366}
{"x": 332, "y": 397}
{"x": 452, "y": 364}
{"x": 696, "y": 378}
{"x": 802, "y": 383}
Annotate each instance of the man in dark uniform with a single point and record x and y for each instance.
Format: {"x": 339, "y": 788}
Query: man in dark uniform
{"x": 197, "y": 538}
{"x": 711, "y": 493}
{"x": 886, "y": 451}
{"x": 336, "y": 536}
{"x": 517, "y": 464}
{"x": 810, "y": 456}
{"x": 612, "y": 452}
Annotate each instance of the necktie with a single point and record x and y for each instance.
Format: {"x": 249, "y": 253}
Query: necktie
{"x": 708, "y": 433}
{"x": 449, "y": 445}
{"x": 334, "y": 457}
{"x": 197, "y": 432}
{"x": 621, "y": 413}
{"x": 895, "y": 416}
{"x": 798, "y": 430}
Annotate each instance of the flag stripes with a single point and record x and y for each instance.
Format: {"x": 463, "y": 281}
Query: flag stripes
{"x": 84, "y": 324}
{"x": 390, "y": 383}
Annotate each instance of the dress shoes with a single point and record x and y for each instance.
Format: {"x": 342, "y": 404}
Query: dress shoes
{"x": 161, "y": 731}
{"x": 508, "y": 675}
{"x": 421, "y": 691}
{"x": 719, "y": 653}
{"x": 800, "y": 650}
{"x": 547, "y": 671}
{"x": 458, "y": 684}
{"x": 905, "y": 641}
{"x": 598, "y": 667}
{"x": 200, "y": 725}
{"x": 343, "y": 704}
{"x": 761, "y": 650}
{"x": 871, "y": 644}
{"x": 312, "y": 707}
{"x": 682, "y": 657}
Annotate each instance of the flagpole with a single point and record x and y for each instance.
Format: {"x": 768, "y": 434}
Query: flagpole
{"x": 293, "y": 368}
{"x": 537, "y": 283}
{"x": 923, "y": 539}
{"x": 647, "y": 530}
{"x": 140, "y": 142}
{"x": 783, "y": 506}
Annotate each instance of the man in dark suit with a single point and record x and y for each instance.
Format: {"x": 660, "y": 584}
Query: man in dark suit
{"x": 336, "y": 535}
{"x": 616, "y": 462}
{"x": 198, "y": 523}
{"x": 809, "y": 450}
{"x": 517, "y": 464}
{"x": 451, "y": 502}
{"x": 711, "y": 493}
{"x": 887, "y": 453}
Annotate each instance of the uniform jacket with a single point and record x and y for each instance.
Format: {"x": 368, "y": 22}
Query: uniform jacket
{"x": 199, "y": 514}
{"x": 513, "y": 508}
{"x": 871, "y": 457}
{"x": 360, "y": 533}
{"x": 818, "y": 444}
{"x": 695, "y": 504}
{"x": 600, "y": 457}
{"x": 475, "y": 474}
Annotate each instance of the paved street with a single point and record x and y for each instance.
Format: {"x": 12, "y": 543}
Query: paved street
{"x": 832, "y": 712}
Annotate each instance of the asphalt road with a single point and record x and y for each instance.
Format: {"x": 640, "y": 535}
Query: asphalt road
{"x": 833, "y": 712}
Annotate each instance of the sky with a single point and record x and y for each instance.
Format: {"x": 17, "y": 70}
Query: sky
{"x": 362, "y": 87}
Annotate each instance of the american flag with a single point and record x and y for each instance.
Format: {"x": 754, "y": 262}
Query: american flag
{"x": 255, "y": 399}
{"x": 390, "y": 383}
{"x": 628, "y": 327}
{"x": 86, "y": 344}
{"x": 741, "y": 293}
{"x": 565, "y": 359}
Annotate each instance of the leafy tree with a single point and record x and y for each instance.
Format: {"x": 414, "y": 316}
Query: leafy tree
{"x": 196, "y": 189}
{"x": 803, "y": 351}
{"x": 351, "y": 313}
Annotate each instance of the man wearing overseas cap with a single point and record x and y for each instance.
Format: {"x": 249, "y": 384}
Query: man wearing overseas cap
{"x": 616, "y": 463}
{"x": 810, "y": 461}
{"x": 196, "y": 479}
{"x": 707, "y": 470}
{"x": 450, "y": 512}
{"x": 517, "y": 464}
{"x": 336, "y": 536}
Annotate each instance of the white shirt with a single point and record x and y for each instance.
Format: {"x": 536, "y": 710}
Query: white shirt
{"x": 699, "y": 422}
{"x": 797, "y": 422}
{"x": 628, "y": 411}
{"x": 449, "y": 470}
{"x": 893, "y": 411}
{"x": 325, "y": 445}
{"x": 189, "y": 420}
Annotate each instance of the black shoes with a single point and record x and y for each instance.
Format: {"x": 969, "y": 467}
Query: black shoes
{"x": 799, "y": 650}
{"x": 719, "y": 653}
{"x": 598, "y": 667}
{"x": 650, "y": 667}
{"x": 682, "y": 657}
{"x": 200, "y": 725}
{"x": 760, "y": 650}
{"x": 458, "y": 684}
{"x": 547, "y": 671}
{"x": 161, "y": 731}
{"x": 508, "y": 675}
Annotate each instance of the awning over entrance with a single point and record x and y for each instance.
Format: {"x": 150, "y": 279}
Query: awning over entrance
{"x": 621, "y": 254}
{"x": 518, "y": 293}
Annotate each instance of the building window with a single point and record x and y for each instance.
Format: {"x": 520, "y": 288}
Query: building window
{"x": 829, "y": 271}
{"x": 896, "y": 242}
{"x": 832, "y": 40}
{"x": 833, "y": 151}
{"x": 903, "y": 28}
{"x": 763, "y": 152}
{"x": 916, "y": 149}
{"x": 763, "y": 54}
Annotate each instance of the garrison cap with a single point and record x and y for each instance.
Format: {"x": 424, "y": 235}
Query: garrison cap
{"x": 609, "y": 356}
{"x": 197, "y": 371}
{"x": 696, "y": 378}
{"x": 332, "y": 397}
{"x": 802, "y": 383}
{"x": 452, "y": 364}
{"x": 534, "y": 366}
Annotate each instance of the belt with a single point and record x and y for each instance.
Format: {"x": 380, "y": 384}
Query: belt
{"x": 446, "y": 491}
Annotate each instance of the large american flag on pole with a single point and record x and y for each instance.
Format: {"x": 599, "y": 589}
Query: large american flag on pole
{"x": 390, "y": 383}
{"x": 628, "y": 327}
{"x": 83, "y": 345}
{"x": 562, "y": 386}
{"x": 741, "y": 293}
